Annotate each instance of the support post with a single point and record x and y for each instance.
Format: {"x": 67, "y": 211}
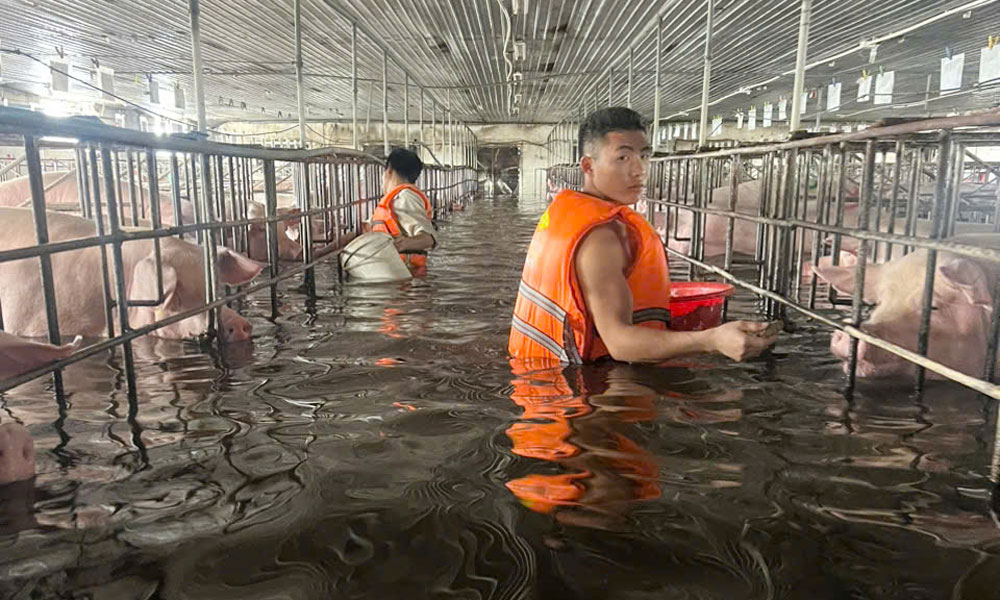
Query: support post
{"x": 707, "y": 77}
{"x": 631, "y": 60}
{"x": 656, "y": 83}
{"x": 795, "y": 119}
{"x": 451, "y": 134}
{"x": 299, "y": 76}
{"x": 385, "y": 102}
{"x": 354, "y": 84}
{"x": 199, "y": 82}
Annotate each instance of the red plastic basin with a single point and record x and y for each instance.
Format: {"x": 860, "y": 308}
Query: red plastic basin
{"x": 697, "y": 305}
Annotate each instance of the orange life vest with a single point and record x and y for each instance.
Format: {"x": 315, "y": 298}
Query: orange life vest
{"x": 551, "y": 321}
{"x": 384, "y": 220}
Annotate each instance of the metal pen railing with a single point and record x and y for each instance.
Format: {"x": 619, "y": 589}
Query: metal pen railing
{"x": 803, "y": 203}
{"x": 137, "y": 186}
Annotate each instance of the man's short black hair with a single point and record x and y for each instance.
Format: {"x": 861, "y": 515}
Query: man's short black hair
{"x": 602, "y": 122}
{"x": 406, "y": 163}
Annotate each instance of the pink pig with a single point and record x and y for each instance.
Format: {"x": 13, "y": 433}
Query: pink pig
{"x": 78, "y": 289}
{"x": 64, "y": 195}
{"x": 18, "y": 355}
{"x": 960, "y": 319}
{"x": 288, "y": 248}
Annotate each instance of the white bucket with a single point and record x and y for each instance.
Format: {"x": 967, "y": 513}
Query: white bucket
{"x": 372, "y": 257}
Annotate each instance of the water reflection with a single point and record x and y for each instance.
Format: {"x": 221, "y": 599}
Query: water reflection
{"x": 580, "y": 421}
{"x": 375, "y": 442}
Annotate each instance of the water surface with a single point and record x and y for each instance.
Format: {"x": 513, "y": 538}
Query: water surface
{"x": 375, "y": 442}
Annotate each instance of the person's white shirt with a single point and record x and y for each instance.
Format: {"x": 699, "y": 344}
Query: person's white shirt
{"x": 412, "y": 216}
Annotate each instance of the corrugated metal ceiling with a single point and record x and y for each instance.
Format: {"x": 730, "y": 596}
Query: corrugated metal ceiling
{"x": 456, "y": 49}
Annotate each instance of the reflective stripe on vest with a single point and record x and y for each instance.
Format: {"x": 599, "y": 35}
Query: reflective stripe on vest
{"x": 567, "y": 351}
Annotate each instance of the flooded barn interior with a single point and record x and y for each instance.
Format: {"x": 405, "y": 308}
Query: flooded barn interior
{"x": 298, "y": 299}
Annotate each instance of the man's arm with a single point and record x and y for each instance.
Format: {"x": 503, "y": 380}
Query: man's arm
{"x": 600, "y": 269}
{"x": 416, "y": 243}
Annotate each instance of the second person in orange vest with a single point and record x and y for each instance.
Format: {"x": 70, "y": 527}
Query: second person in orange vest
{"x": 405, "y": 212}
{"x": 595, "y": 282}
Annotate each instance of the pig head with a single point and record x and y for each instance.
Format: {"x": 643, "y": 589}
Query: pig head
{"x": 184, "y": 289}
{"x": 77, "y": 275}
{"x": 288, "y": 248}
{"x": 960, "y": 317}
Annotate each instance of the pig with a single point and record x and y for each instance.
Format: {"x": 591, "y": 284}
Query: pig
{"x": 64, "y": 195}
{"x": 78, "y": 287}
{"x": 17, "y": 192}
{"x": 18, "y": 355}
{"x": 922, "y": 229}
{"x": 17, "y": 453}
{"x": 960, "y": 319}
{"x": 744, "y": 232}
{"x": 714, "y": 234}
{"x": 288, "y": 248}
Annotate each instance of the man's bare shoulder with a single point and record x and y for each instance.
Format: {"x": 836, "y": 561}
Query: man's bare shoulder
{"x": 601, "y": 246}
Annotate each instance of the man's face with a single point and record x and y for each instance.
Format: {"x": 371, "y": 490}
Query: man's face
{"x": 387, "y": 178}
{"x": 619, "y": 165}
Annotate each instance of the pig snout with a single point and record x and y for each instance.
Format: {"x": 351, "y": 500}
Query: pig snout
{"x": 233, "y": 327}
{"x": 840, "y": 345}
{"x": 872, "y": 360}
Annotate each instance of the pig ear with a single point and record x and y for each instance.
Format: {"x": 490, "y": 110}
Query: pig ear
{"x": 970, "y": 280}
{"x": 144, "y": 281}
{"x": 292, "y": 223}
{"x": 841, "y": 277}
{"x": 234, "y": 268}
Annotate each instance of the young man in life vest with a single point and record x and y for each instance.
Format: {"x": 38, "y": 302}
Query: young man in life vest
{"x": 595, "y": 282}
{"x": 405, "y": 212}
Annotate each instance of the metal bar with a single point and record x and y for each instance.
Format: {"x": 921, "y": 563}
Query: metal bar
{"x": 300, "y": 91}
{"x": 628, "y": 97}
{"x": 656, "y": 83}
{"x": 406, "y": 110}
{"x": 385, "y": 103}
{"x": 206, "y": 214}
{"x": 83, "y": 182}
{"x": 36, "y": 183}
{"x": 196, "y": 67}
{"x": 13, "y": 165}
{"x": 354, "y": 85}
{"x": 271, "y": 231}
{"x": 421, "y": 116}
{"x": 938, "y": 227}
{"x": 911, "y": 207}
{"x": 154, "y": 211}
{"x": 99, "y": 222}
{"x": 954, "y": 190}
{"x": 133, "y": 201}
{"x": 450, "y": 132}
{"x": 121, "y": 294}
{"x": 857, "y": 302}
{"x": 795, "y": 119}
{"x": 706, "y": 78}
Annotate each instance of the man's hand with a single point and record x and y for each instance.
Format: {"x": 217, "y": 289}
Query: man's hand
{"x": 421, "y": 241}
{"x": 740, "y": 340}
